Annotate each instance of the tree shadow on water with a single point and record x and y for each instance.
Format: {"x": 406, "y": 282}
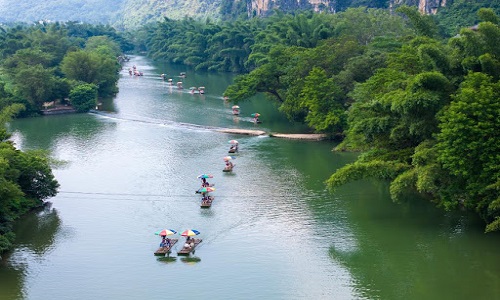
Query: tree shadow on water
{"x": 35, "y": 236}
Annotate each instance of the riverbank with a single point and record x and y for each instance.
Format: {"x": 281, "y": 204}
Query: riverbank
{"x": 59, "y": 110}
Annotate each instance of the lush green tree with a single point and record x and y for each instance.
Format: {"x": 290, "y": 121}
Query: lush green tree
{"x": 320, "y": 98}
{"x": 424, "y": 135}
{"x": 36, "y": 84}
{"x": 230, "y": 9}
{"x": 469, "y": 146}
{"x": 422, "y": 54}
{"x": 26, "y": 180}
{"x": 488, "y": 15}
{"x": 289, "y": 47}
{"x": 424, "y": 25}
{"x": 103, "y": 45}
{"x": 477, "y": 50}
{"x": 83, "y": 97}
{"x": 27, "y": 57}
{"x": 32, "y": 56}
{"x": 365, "y": 25}
{"x": 14, "y": 39}
{"x": 230, "y": 46}
{"x": 81, "y": 66}
{"x": 35, "y": 176}
{"x": 460, "y": 14}
{"x": 92, "y": 67}
{"x": 80, "y": 32}
{"x": 266, "y": 79}
{"x": 52, "y": 39}
{"x": 10, "y": 193}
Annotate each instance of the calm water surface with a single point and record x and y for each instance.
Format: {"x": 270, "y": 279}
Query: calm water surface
{"x": 273, "y": 231}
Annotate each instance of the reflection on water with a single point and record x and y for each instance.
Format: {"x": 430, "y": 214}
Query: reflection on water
{"x": 35, "y": 237}
{"x": 190, "y": 260}
{"x": 414, "y": 251}
{"x": 37, "y": 232}
{"x": 167, "y": 259}
{"x": 38, "y": 133}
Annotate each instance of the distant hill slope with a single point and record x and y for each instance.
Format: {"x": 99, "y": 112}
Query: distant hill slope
{"x": 129, "y": 14}
{"x": 121, "y": 13}
{"x": 138, "y": 12}
{"x": 90, "y": 11}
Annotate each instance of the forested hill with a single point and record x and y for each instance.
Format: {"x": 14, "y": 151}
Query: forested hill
{"x": 89, "y": 11}
{"x": 130, "y": 14}
{"x": 122, "y": 14}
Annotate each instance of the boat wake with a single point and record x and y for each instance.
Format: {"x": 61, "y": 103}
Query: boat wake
{"x": 178, "y": 124}
{"x": 254, "y": 132}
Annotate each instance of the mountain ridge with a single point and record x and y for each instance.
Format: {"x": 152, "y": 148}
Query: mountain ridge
{"x": 130, "y": 14}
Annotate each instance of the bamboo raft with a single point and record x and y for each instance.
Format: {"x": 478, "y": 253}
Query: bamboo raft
{"x": 165, "y": 250}
{"x": 228, "y": 168}
{"x": 207, "y": 203}
{"x": 186, "y": 250}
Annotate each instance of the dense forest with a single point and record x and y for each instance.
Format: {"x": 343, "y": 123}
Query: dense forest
{"x": 422, "y": 106}
{"x": 65, "y": 63}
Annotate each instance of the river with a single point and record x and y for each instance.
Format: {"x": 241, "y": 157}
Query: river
{"x": 273, "y": 231}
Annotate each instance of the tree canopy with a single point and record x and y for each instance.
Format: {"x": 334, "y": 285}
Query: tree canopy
{"x": 43, "y": 62}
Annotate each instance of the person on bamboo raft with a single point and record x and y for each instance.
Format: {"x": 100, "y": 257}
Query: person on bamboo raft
{"x": 165, "y": 242}
{"x": 189, "y": 243}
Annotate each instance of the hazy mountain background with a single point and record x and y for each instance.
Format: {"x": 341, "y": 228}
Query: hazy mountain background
{"x": 120, "y": 13}
{"x": 130, "y": 14}
{"x": 92, "y": 11}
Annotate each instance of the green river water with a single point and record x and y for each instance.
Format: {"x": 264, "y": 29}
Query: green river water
{"x": 273, "y": 231}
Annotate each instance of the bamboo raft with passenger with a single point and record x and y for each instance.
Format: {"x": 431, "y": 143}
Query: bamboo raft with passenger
{"x": 207, "y": 202}
{"x": 163, "y": 250}
{"x": 229, "y": 165}
{"x": 189, "y": 246}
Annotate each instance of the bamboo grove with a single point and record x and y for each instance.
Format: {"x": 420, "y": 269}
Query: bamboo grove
{"x": 423, "y": 108}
